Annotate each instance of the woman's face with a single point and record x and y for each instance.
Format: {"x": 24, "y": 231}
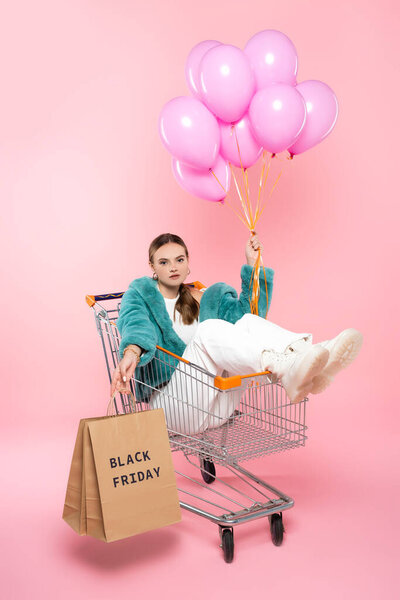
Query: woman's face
{"x": 170, "y": 264}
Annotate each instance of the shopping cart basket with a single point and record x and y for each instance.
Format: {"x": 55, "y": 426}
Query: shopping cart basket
{"x": 263, "y": 421}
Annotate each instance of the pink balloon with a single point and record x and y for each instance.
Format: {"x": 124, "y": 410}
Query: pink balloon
{"x": 250, "y": 149}
{"x": 193, "y": 62}
{"x": 322, "y": 111}
{"x": 227, "y": 82}
{"x": 203, "y": 183}
{"x": 277, "y": 116}
{"x": 190, "y": 132}
{"x": 273, "y": 58}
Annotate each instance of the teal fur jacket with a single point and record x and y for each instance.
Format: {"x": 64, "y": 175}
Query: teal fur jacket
{"x": 144, "y": 321}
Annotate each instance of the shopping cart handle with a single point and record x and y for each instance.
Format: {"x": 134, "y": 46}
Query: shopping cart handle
{"x": 91, "y": 300}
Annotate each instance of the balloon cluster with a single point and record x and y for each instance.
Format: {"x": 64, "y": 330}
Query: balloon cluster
{"x": 243, "y": 102}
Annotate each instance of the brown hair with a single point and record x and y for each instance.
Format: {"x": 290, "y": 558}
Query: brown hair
{"x": 186, "y": 305}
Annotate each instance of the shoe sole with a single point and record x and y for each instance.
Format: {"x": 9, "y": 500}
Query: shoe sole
{"x": 312, "y": 364}
{"x": 345, "y": 350}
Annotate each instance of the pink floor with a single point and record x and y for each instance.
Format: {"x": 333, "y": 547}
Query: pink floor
{"x": 341, "y": 537}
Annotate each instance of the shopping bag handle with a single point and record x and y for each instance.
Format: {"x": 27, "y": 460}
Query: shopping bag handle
{"x": 132, "y": 402}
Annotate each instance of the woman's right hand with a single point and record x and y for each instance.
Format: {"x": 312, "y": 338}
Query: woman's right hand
{"x": 123, "y": 373}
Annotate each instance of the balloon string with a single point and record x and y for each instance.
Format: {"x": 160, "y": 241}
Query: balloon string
{"x": 254, "y": 286}
{"x": 251, "y": 221}
{"x": 262, "y": 182}
{"x": 255, "y": 279}
{"x": 254, "y": 292}
{"x": 270, "y": 194}
{"x": 266, "y": 287}
{"x": 248, "y": 191}
{"x": 237, "y": 214}
{"x": 218, "y": 180}
{"x": 239, "y": 192}
{"x": 240, "y": 197}
{"x": 245, "y": 179}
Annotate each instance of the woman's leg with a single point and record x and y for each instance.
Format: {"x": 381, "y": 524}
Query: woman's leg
{"x": 253, "y": 344}
{"x": 190, "y": 398}
{"x": 268, "y": 335}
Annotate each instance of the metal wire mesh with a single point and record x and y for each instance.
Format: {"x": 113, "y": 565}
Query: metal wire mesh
{"x": 262, "y": 419}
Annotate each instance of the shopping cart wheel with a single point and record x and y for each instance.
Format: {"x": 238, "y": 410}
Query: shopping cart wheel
{"x": 207, "y": 470}
{"x": 226, "y": 534}
{"x": 277, "y": 529}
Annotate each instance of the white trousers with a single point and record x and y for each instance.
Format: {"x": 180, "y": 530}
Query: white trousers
{"x": 190, "y": 401}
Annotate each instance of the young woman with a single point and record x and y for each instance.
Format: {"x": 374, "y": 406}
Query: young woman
{"x": 214, "y": 329}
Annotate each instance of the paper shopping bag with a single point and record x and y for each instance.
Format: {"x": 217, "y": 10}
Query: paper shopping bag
{"x": 122, "y": 480}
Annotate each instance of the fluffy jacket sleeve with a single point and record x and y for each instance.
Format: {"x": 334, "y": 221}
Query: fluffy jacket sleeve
{"x": 224, "y": 303}
{"x": 135, "y": 326}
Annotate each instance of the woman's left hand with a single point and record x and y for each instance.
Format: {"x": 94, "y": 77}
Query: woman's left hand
{"x": 252, "y": 247}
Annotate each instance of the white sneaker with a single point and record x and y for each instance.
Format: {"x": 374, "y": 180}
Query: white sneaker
{"x": 343, "y": 349}
{"x": 296, "y": 370}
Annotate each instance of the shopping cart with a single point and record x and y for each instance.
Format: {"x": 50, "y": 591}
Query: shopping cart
{"x": 262, "y": 422}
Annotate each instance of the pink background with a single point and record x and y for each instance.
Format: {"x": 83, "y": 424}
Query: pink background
{"x": 86, "y": 185}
